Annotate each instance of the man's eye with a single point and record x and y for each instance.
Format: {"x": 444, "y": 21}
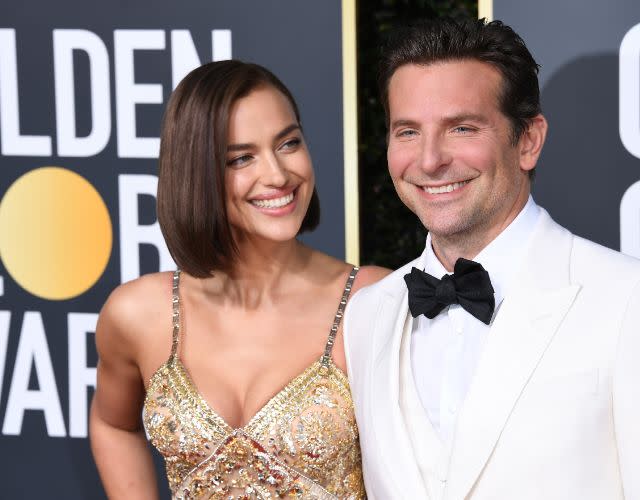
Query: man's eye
{"x": 406, "y": 133}
{"x": 239, "y": 161}
{"x": 462, "y": 129}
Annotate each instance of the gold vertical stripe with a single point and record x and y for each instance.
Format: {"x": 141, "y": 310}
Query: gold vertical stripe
{"x": 350, "y": 132}
{"x": 485, "y": 9}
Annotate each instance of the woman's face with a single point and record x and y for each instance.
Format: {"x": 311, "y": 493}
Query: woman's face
{"x": 269, "y": 177}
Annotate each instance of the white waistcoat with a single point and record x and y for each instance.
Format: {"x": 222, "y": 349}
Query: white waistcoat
{"x": 431, "y": 454}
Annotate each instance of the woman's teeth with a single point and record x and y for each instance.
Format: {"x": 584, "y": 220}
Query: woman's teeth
{"x": 444, "y": 189}
{"x": 274, "y": 202}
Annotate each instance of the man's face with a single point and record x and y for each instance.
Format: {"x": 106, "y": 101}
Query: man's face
{"x": 450, "y": 152}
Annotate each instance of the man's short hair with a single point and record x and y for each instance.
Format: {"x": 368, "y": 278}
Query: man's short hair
{"x": 432, "y": 41}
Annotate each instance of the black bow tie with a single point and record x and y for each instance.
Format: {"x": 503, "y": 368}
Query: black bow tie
{"x": 469, "y": 286}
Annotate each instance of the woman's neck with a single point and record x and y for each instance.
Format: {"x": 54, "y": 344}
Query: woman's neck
{"x": 262, "y": 271}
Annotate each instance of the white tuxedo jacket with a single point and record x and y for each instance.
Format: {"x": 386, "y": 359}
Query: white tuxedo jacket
{"x": 553, "y": 411}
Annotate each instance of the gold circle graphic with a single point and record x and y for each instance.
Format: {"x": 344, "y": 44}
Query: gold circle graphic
{"x": 55, "y": 233}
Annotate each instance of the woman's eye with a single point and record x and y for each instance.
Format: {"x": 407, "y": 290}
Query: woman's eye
{"x": 291, "y": 143}
{"x": 238, "y": 161}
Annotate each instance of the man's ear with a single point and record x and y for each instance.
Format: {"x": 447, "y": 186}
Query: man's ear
{"x": 531, "y": 142}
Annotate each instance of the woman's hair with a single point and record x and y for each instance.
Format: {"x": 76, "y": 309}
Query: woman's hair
{"x": 191, "y": 189}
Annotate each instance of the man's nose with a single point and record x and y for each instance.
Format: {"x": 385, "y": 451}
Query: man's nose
{"x": 434, "y": 154}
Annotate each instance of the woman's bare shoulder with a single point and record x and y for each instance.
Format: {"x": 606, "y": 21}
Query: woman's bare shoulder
{"x": 137, "y": 307}
{"x": 368, "y": 275}
{"x": 335, "y": 269}
{"x": 141, "y": 296}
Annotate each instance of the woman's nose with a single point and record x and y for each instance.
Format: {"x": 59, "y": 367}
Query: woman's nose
{"x": 274, "y": 172}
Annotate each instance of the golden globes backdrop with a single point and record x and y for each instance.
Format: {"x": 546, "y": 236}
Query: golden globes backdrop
{"x": 82, "y": 91}
{"x": 589, "y": 173}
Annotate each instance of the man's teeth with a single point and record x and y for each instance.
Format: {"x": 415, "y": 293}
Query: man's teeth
{"x": 274, "y": 202}
{"x": 444, "y": 189}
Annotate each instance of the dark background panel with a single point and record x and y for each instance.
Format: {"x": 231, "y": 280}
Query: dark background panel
{"x": 584, "y": 169}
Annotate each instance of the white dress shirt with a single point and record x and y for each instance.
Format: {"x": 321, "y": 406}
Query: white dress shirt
{"x": 445, "y": 350}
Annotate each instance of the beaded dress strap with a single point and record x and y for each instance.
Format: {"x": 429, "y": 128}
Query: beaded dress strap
{"x": 326, "y": 357}
{"x": 175, "y": 300}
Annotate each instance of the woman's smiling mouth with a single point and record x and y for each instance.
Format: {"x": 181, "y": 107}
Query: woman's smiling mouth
{"x": 274, "y": 202}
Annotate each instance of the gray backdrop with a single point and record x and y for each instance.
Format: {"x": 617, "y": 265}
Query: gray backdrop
{"x": 586, "y": 169}
{"x": 45, "y": 453}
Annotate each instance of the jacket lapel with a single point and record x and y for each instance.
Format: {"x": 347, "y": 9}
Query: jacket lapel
{"x": 392, "y": 438}
{"x": 522, "y": 329}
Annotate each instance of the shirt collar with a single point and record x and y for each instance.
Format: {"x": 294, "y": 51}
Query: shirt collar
{"x": 502, "y": 257}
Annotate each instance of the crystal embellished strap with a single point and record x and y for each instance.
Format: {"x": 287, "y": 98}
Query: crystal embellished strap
{"x": 336, "y": 321}
{"x": 175, "y": 299}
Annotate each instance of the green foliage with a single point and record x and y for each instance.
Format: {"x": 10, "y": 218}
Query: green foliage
{"x": 390, "y": 235}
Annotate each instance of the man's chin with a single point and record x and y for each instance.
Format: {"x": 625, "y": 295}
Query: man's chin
{"x": 446, "y": 226}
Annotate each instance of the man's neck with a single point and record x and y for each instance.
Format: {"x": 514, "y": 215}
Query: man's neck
{"x": 449, "y": 248}
{"x": 448, "y": 252}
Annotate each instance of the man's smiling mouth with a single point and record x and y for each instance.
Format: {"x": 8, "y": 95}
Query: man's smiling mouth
{"x": 447, "y": 188}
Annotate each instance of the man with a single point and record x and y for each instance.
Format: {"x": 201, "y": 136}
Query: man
{"x": 523, "y": 383}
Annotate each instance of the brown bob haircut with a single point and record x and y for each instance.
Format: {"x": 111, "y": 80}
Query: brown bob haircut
{"x": 193, "y": 146}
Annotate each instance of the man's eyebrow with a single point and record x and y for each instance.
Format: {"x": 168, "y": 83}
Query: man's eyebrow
{"x": 465, "y": 117}
{"x": 449, "y": 120}
{"x": 247, "y": 145}
{"x": 404, "y": 123}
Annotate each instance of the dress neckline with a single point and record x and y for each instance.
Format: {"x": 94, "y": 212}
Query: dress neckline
{"x": 324, "y": 365}
{"x": 317, "y": 366}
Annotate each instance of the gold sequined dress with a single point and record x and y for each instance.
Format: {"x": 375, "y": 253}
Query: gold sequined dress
{"x": 303, "y": 443}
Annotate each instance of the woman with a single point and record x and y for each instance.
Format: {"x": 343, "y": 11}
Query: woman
{"x": 236, "y": 361}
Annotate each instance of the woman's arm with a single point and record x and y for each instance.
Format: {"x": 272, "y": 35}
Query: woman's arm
{"x": 117, "y": 437}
